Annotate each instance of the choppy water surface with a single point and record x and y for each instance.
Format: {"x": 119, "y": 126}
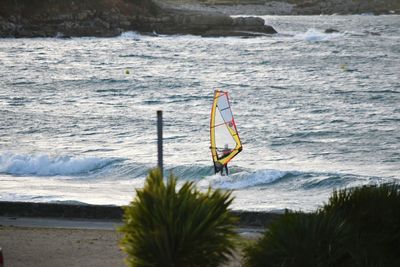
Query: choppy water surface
{"x": 315, "y": 112}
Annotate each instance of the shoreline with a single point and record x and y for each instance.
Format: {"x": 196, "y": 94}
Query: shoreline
{"x": 102, "y": 18}
{"x": 209, "y": 18}
{"x": 108, "y": 212}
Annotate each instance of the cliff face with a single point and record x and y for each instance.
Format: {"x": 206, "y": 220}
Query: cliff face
{"x": 49, "y": 18}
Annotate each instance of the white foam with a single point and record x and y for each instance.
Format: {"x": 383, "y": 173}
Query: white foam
{"x": 45, "y": 165}
{"x": 130, "y": 35}
{"x": 245, "y": 179}
{"x": 314, "y": 35}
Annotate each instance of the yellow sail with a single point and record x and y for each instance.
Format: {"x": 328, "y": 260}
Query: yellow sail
{"x": 225, "y": 141}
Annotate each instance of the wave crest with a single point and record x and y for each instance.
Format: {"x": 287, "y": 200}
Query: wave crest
{"x": 45, "y": 165}
{"x": 246, "y": 179}
{"x": 314, "y": 35}
{"x": 130, "y": 35}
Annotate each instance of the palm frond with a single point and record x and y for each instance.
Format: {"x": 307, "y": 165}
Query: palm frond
{"x": 166, "y": 227}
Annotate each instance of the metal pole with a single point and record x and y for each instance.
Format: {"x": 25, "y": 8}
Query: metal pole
{"x": 160, "y": 141}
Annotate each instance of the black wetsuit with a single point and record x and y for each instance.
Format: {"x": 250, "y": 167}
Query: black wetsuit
{"x": 218, "y": 168}
{"x": 222, "y": 167}
{"x": 226, "y": 169}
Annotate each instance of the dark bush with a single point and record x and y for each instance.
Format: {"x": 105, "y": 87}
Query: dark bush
{"x": 373, "y": 213}
{"x": 300, "y": 239}
{"x": 357, "y": 227}
{"x": 166, "y": 227}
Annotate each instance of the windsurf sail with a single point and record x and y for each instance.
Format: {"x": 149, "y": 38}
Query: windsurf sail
{"x": 225, "y": 141}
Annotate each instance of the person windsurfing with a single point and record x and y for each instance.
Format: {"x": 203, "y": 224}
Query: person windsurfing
{"x": 225, "y": 152}
{"x": 224, "y": 137}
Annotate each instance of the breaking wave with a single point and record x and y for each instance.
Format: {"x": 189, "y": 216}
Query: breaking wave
{"x": 314, "y": 35}
{"x": 45, "y": 165}
{"x": 244, "y": 179}
{"x": 130, "y": 35}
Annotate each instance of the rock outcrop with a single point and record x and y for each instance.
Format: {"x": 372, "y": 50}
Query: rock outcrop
{"x": 209, "y": 24}
{"x": 106, "y": 18}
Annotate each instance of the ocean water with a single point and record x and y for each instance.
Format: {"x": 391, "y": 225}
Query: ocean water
{"x": 315, "y": 111}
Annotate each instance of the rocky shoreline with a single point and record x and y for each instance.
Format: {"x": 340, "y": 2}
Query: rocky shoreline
{"x": 104, "y": 18}
{"x": 108, "y": 18}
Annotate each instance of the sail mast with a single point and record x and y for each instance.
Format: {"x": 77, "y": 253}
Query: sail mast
{"x": 223, "y": 132}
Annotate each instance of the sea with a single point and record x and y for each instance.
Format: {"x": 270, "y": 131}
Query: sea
{"x": 316, "y": 112}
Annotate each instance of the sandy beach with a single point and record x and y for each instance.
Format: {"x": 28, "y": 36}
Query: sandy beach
{"x": 38, "y": 246}
{"x": 49, "y": 235}
{"x": 47, "y": 247}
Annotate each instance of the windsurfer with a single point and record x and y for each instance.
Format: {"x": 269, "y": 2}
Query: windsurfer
{"x": 225, "y": 152}
{"x": 224, "y": 138}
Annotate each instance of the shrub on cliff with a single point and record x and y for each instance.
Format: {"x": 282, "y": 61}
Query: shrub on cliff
{"x": 300, "y": 239}
{"x": 373, "y": 213}
{"x": 164, "y": 226}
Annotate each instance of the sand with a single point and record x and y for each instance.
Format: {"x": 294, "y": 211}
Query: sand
{"x": 46, "y": 247}
{"x": 37, "y": 240}
{"x": 52, "y": 247}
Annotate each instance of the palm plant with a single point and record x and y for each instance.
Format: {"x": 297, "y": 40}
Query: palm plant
{"x": 164, "y": 226}
{"x": 300, "y": 239}
{"x": 373, "y": 213}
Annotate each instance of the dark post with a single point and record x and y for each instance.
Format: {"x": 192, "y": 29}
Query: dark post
{"x": 1, "y": 258}
{"x": 160, "y": 141}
